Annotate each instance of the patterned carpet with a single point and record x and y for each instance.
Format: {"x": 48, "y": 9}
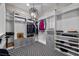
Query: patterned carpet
{"x": 37, "y": 49}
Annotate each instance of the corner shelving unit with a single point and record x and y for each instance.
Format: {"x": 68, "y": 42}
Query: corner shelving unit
{"x": 10, "y": 18}
{"x": 67, "y": 43}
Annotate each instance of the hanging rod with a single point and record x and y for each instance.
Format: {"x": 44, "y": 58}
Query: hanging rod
{"x": 20, "y": 17}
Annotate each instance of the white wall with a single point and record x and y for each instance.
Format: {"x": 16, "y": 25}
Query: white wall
{"x": 68, "y": 8}
{"x": 68, "y": 21}
{"x": 9, "y": 21}
{"x": 2, "y": 18}
{"x": 2, "y": 23}
{"x": 10, "y": 26}
{"x": 47, "y": 14}
{"x": 50, "y": 23}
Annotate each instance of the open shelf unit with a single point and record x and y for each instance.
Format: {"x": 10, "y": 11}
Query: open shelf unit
{"x": 66, "y": 44}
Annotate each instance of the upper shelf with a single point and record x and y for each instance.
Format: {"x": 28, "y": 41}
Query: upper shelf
{"x": 67, "y": 37}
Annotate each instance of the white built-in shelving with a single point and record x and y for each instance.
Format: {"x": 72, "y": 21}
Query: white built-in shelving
{"x": 67, "y": 13}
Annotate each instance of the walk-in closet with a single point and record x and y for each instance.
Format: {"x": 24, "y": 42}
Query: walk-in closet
{"x": 39, "y": 29}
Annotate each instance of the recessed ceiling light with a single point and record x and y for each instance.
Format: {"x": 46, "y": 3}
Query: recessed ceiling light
{"x": 28, "y": 4}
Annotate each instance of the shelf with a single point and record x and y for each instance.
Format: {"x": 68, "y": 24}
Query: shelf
{"x": 64, "y": 52}
{"x": 65, "y": 46}
{"x": 68, "y": 45}
{"x": 68, "y": 41}
{"x": 69, "y": 49}
{"x": 67, "y": 37}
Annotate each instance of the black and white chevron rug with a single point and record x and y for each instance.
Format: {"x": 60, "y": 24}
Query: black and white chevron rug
{"x": 37, "y": 49}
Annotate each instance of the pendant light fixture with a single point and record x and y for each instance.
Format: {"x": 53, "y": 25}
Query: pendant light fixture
{"x": 33, "y": 12}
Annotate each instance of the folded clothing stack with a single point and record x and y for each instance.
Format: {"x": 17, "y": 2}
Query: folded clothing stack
{"x": 59, "y": 32}
{"x": 71, "y": 34}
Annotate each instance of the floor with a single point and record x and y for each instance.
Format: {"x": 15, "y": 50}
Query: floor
{"x": 36, "y": 49}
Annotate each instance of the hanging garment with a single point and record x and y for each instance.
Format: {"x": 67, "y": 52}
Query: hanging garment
{"x": 36, "y": 27}
{"x": 41, "y": 25}
{"x": 30, "y": 28}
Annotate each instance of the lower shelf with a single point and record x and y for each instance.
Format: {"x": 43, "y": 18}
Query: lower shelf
{"x": 67, "y": 51}
{"x": 68, "y": 54}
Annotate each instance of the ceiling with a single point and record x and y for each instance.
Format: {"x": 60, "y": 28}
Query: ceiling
{"x": 41, "y": 7}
